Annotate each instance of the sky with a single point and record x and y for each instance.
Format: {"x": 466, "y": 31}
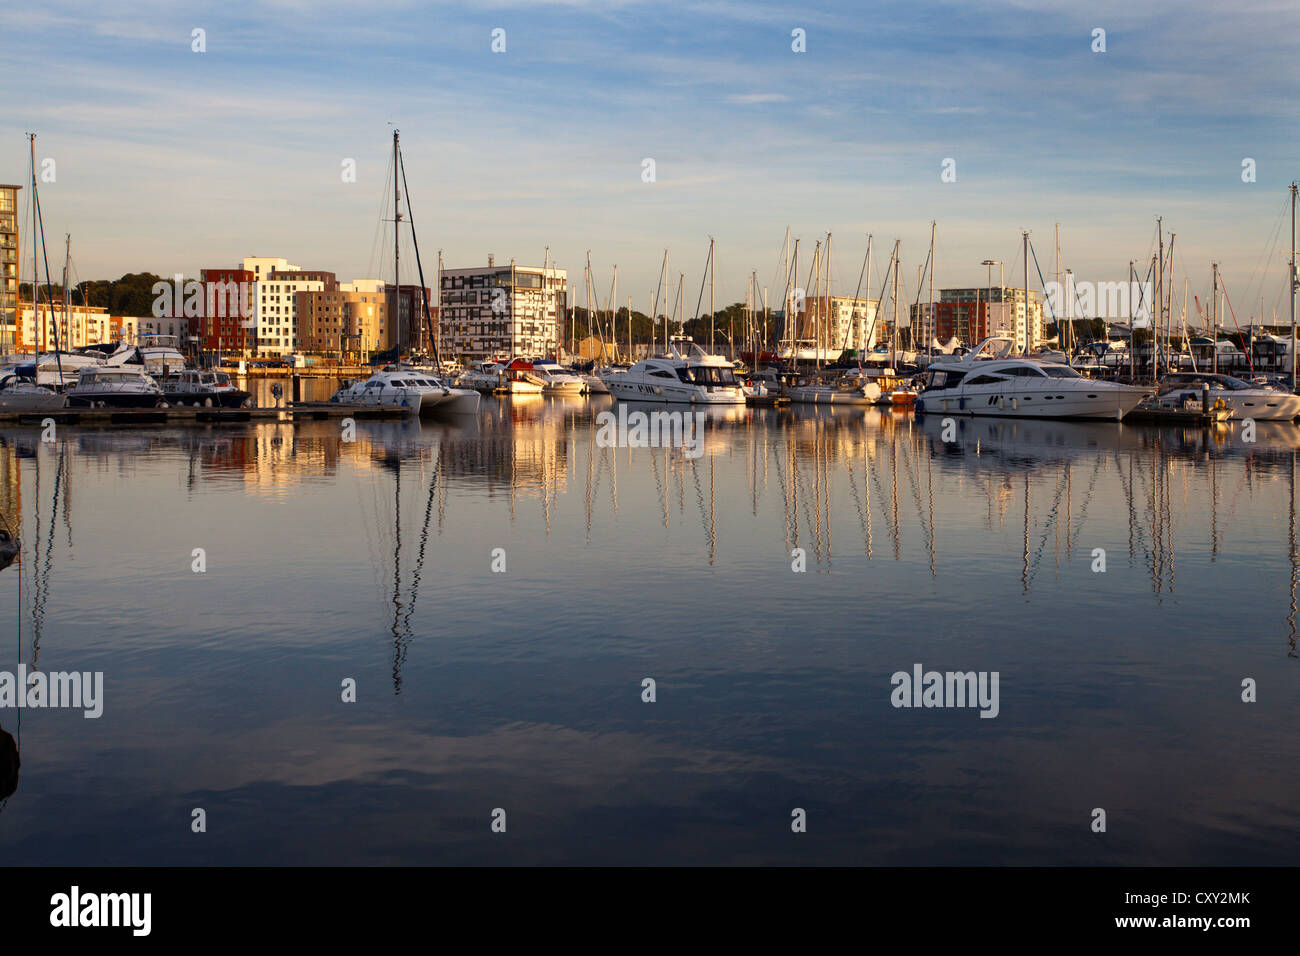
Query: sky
{"x": 170, "y": 160}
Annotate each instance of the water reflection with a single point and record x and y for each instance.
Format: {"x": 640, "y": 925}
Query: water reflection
{"x": 371, "y": 558}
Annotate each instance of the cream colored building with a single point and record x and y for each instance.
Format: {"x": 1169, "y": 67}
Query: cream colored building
{"x": 839, "y": 322}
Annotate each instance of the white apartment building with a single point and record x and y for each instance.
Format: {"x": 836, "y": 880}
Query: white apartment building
{"x": 498, "y": 311}
{"x": 275, "y": 305}
{"x": 840, "y": 322}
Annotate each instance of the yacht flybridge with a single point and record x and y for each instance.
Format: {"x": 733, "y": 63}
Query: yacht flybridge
{"x": 993, "y": 381}
{"x": 695, "y": 377}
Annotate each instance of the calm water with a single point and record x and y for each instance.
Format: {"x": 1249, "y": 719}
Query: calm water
{"x": 522, "y": 690}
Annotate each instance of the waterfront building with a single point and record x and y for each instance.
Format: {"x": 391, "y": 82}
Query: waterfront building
{"x": 228, "y": 296}
{"x": 9, "y": 263}
{"x": 352, "y": 319}
{"x": 491, "y": 311}
{"x": 973, "y": 314}
{"x": 839, "y": 322}
{"x": 277, "y": 306}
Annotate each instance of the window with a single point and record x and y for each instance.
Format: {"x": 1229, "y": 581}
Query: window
{"x": 985, "y": 380}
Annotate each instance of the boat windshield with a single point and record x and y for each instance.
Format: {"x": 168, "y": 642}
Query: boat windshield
{"x": 943, "y": 378}
{"x": 708, "y": 375}
{"x": 1226, "y": 382}
{"x": 1060, "y": 371}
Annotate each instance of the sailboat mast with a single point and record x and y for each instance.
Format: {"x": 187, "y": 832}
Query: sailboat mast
{"x": 1063, "y": 337}
{"x": 793, "y": 329}
{"x": 67, "y": 261}
{"x": 863, "y": 344}
{"x": 712, "y": 273}
{"x": 931, "y": 326}
{"x": 893, "y": 336}
{"x": 395, "y": 320}
{"x": 1169, "y": 304}
{"x": 1292, "y": 281}
{"x": 1026, "y": 253}
{"x": 1214, "y": 315}
{"x": 1160, "y": 288}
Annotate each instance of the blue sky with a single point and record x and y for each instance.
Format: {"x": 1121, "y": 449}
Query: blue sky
{"x": 170, "y": 160}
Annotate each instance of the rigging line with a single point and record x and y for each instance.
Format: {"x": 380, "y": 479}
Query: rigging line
{"x": 856, "y": 292}
{"x": 40, "y": 224}
{"x": 419, "y": 268}
{"x": 1041, "y": 281}
{"x": 708, "y": 264}
{"x": 379, "y": 245}
{"x": 871, "y": 336}
{"x": 1250, "y": 362}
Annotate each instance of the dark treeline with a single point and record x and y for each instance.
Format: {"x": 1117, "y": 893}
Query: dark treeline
{"x": 130, "y": 295}
{"x": 730, "y": 321}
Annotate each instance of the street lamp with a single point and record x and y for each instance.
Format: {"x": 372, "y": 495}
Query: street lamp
{"x": 1002, "y": 280}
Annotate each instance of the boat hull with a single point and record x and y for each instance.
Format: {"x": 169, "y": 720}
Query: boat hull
{"x": 227, "y": 398}
{"x": 31, "y": 402}
{"x": 114, "y": 400}
{"x": 671, "y": 392}
{"x": 1099, "y": 401}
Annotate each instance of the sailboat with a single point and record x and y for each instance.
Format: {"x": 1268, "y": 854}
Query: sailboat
{"x": 420, "y": 390}
{"x": 21, "y": 388}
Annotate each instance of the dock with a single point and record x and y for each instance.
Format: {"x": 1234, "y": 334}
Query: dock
{"x": 179, "y": 415}
{"x": 1176, "y": 416}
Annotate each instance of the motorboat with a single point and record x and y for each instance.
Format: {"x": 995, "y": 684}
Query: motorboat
{"x": 991, "y": 381}
{"x": 19, "y": 392}
{"x": 485, "y": 377}
{"x": 161, "y": 353}
{"x": 114, "y": 386}
{"x": 522, "y": 374}
{"x": 595, "y": 383}
{"x": 419, "y": 392}
{"x": 687, "y": 374}
{"x": 854, "y": 389}
{"x": 206, "y": 387}
{"x": 521, "y": 381}
{"x": 1243, "y": 399}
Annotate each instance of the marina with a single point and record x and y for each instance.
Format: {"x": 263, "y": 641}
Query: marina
{"x": 567, "y": 435}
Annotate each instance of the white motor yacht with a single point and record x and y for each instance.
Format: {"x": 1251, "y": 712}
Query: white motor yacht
{"x": 418, "y": 391}
{"x": 989, "y": 381}
{"x": 114, "y": 386}
{"x": 161, "y": 353}
{"x": 695, "y": 377}
{"x": 485, "y": 377}
{"x": 1243, "y": 399}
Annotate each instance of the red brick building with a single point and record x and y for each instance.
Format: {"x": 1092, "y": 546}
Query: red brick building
{"x": 227, "y": 305}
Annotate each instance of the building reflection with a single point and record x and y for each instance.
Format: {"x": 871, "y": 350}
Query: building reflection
{"x": 839, "y": 483}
